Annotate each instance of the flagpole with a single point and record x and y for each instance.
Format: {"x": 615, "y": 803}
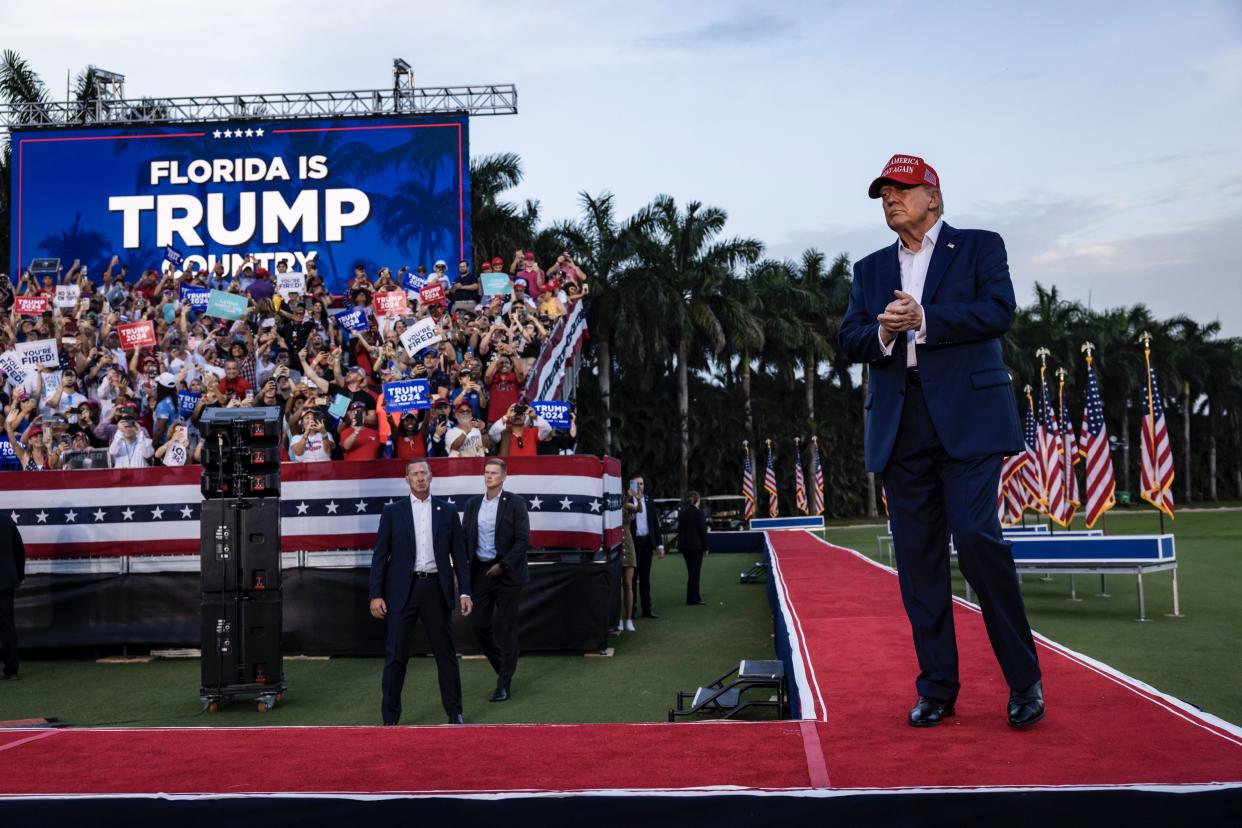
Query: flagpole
{"x": 1043, "y": 353}
{"x": 1145, "y": 337}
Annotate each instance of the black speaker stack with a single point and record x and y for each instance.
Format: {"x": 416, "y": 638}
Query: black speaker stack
{"x": 239, "y": 556}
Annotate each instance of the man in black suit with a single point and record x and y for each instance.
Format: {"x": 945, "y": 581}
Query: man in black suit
{"x": 419, "y": 549}
{"x": 12, "y": 573}
{"x": 692, "y": 541}
{"x": 648, "y": 543}
{"x": 497, "y": 537}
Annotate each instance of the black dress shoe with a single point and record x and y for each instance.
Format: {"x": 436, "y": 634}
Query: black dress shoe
{"x": 501, "y": 694}
{"x": 456, "y": 719}
{"x": 650, "y": 615}
{"x": 930, "y": 712}
{"x": 1026, "y": 707}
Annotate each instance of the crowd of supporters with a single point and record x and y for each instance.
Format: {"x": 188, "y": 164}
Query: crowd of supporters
{"x": 104, "y": 405}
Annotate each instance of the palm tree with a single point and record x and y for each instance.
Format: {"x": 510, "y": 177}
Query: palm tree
{"x": 602, "y": 246}
{"x": 684, "y": 265}
{"x": 498, "y": 227}
{"x": 21, "y": 87}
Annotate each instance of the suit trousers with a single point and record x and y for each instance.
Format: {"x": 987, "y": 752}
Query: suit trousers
{"x": 930, "y": 497}
{"x": 425, "y": 603}
{"x": 694, "y": 567}
{"x": 644, "y": 547}
{"x": 495, "y": 620}
{"x": 8, "y": 631}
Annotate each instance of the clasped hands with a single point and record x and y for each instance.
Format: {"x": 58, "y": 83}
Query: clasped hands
{"x": 902, "y": 314}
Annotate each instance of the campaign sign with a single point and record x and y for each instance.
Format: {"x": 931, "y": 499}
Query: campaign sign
{"x": 226, "y": 305}
{"x": 30, "y": 305}
{"x": 391, "y": 303}
{"x": 188, "y": 400}
{"x": 196, "y": 297}
{"x": 173, "y": 256}
{"x": 38, "y": 353}
{"x": 67, "y": 296}
{"x": 414, "y": 282}
{"x": 496, "y": 284}
{"x": 300, "y": 190}
{"x": 137, "y": 334}
{"x": 11, "y": 364}
{"x": 420, "y": 335}
{"x": 340, "y": 404}
{"x": 354, "y": 319}
{"x": 288, "y": 283}
{"x": 554, "y": 411}
{"x": 431, "y": 294}
{"x": 409, "y": 395}
{"x": 7, "y": 456}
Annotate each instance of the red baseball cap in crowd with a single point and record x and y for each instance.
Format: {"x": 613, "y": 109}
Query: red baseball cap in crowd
{"x": 528, "y": 255}
{"x": 908, "y": 170}
{"x": 487, "y": 266}
{"x": 498, "y": 261}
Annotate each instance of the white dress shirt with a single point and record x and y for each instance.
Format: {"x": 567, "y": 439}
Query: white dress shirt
{"x": 913, "y": 275}
{"x": 424, "y": 539}
{"x": 487, "y": 528}
{"x": 641, "y": 527}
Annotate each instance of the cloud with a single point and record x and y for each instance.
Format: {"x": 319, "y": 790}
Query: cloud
{"x": 748, "y": 27}
{"x": 1221, "y": 73}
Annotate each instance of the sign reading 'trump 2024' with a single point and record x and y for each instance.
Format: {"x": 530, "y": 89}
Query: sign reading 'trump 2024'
{"x": 343, "y": 192}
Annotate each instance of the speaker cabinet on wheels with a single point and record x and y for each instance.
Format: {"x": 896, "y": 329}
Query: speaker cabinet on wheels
{"x": 239, "y": 557}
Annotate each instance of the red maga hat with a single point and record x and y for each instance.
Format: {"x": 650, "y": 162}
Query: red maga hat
{"x": 907, "y": 170}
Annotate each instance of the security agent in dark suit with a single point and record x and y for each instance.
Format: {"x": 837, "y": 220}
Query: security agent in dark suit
{"x": 692, "y": 541}
{"x": 12, "y": 573}
{"x": 419, "y": 552}
{"x": 648, "y": 543}
{"x": 497, "y": 529}
{"x": 927, "y": 314}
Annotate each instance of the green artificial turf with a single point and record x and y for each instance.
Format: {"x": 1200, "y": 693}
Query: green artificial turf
{"x": 682, "y": 649}
{"x": 1195, "y": 657}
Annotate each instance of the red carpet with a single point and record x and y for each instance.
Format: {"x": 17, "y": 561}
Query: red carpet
{"x": 1101, "y": 729}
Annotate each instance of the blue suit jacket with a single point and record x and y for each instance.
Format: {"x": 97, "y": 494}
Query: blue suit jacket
{"x": 968, "y": 305}
{"x": 392, "y": 562}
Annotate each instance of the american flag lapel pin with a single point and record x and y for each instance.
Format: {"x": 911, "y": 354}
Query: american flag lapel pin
{"x": 950, "y": 245}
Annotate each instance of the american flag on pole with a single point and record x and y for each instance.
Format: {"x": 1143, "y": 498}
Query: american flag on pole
{"x": 1069, "y": 456}
{"x": 748, "y": 484}
{"x": 1030, "y": 470}
{"x": 1156, "y": 474}
{"x": 1011, "y": 500}
{"x": 1051, "y": 467}
{"x": 769, "y": 485}
{"x": 1101, "y": 484}
{"x": 799, "y": 482}
{"x": 818, "y": 471}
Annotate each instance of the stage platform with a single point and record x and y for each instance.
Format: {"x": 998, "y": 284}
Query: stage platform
{"x": 1110, "y": 748}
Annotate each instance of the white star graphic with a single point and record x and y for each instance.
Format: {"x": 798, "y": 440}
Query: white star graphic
{"x": 451, "y": 502}
{"x": 14, "y": 516}
{"x": 187, "y": 512}
{"x": 215, "y": 134}
{"x": 250, "y": 133}
{"x": 128, "y": 514}
{"x": 98, "y": 514}
{"x": 566, "y": 503}
{"x": 302, "y": 508}
{"x": 259, "y": 132}
{"x": 536, "y": 503}
{"x": 71, "y": 516}
{"x": 228, "y": 133}
{"x": 595, "y": 504}
{"x": 42, "y": 516}
{"x": 360, "y": 507}
{"x": 157, "y": 513}
{"x": 332, "y": 507}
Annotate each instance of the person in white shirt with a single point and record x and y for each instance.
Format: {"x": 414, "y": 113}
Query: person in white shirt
{"x": 315, "y": 443}
{"x": 175, "y": 452}
{"x": 467, "y": 438}
{"x": 131, "y": 447}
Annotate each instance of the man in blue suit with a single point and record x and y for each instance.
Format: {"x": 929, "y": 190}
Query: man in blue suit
{"x": 927, "y": 314}
{"x": 419, "y": 570}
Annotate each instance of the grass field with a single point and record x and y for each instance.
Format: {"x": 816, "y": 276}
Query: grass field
{"x": 683, "y": 648}
{"x": 1195, "y": 658}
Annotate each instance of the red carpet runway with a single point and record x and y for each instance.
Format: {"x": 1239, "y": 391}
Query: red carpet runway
{"x": 1108, "y": 743}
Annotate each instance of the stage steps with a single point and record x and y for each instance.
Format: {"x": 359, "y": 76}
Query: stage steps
{"x": 726, "y": 697}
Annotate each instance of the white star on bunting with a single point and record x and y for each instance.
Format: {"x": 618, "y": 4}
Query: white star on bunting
{"x": 228, "y": 133}
{"x": 187, "y": 512}
{"x": 157, "y": 513}
{"x": 360, "y": 507}
{"x": 332, "y": 507}
{"x": 71, "y": 516}
{"x": 14, "y": 516}
{"x": 215, "y": 134}
{"x": 259, "y": 132}
{"x": 595, "y": 506}
{"x": 42, "y": 516}
{"x": 128, "y": 514}
{"x": 566, "y": 503}
{"x": 302, "y": 508}
{"x": 250, "y": 133}
{"x": 536, "y": 504}
{"x": 98, "y": 514}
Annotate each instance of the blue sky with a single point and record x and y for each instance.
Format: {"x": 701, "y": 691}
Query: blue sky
{"x": 1101, "y": 139}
